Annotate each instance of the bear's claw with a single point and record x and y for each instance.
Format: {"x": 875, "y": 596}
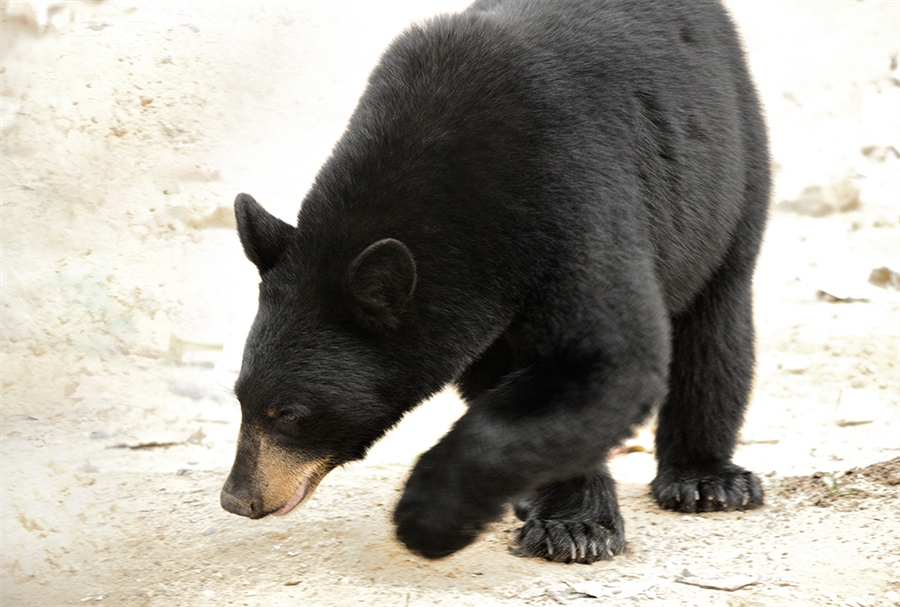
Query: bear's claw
{"x": 569, "y": 541}
{"x": 723, "y": 487}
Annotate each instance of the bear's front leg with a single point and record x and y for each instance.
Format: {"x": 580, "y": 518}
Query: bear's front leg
{"x": 534, "y": 433}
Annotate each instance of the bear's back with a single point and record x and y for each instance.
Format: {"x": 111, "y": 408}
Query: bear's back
{"x": 519, "y": 131}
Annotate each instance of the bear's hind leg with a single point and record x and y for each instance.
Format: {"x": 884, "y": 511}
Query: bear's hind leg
{"x": 573, "y": 521}
{"x": 709, "y": 384}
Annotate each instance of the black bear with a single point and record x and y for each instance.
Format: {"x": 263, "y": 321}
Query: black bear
{"x": 555, "y": 206}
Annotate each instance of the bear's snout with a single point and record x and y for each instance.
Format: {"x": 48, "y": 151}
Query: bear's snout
{"x": 268, "y": 479}
{"x": 240, "y": 504}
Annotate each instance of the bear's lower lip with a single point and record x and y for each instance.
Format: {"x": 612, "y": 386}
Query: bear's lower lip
{"x": 294, "y": 501}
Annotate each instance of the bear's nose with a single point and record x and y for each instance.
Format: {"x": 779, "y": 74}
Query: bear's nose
{"x": 243, "y": 506}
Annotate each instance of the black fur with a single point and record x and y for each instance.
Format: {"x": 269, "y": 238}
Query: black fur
{"x": 566, "y": 200}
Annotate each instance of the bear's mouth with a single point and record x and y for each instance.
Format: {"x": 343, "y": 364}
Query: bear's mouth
{"x": 308, "y": 481}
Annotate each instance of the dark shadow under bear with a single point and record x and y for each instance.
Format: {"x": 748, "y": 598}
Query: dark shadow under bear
{"x": 557, "y": 207}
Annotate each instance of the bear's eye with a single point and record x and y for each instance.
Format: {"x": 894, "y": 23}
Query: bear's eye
{"x": 289, "y": 416}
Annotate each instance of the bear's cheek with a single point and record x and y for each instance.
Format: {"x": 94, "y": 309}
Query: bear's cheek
{"x": 286, "y": 480}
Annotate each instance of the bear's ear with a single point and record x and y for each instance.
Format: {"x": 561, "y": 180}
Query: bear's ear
{"x": 381, "y": 281}
{"x": 262, "y": 235}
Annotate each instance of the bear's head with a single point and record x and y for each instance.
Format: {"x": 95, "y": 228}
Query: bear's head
{"x": 319, "y": 379}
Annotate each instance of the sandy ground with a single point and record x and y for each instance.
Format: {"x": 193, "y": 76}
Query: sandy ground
{"x": 127, "y": 130}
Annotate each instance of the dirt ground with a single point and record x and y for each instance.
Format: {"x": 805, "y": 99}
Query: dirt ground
{"x": 127, "y": 130}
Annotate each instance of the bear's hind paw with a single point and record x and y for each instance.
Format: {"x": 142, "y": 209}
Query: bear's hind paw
{"x": 569, "y": 541}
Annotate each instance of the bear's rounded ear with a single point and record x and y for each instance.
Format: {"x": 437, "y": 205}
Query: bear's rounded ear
{"x": 381, "y": 281}
{"x": 262, "y": 235}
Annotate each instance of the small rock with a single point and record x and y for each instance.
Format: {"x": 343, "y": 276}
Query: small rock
{"x": 197, "y": 437}
{"x": 885, "y": 277}
{"x": 188, "y": 388}
{"x": 209, "y": 531}
{"x": 796, "y": 365}
{"x": 819, "y": 201}
{"x": 99, "y": 434}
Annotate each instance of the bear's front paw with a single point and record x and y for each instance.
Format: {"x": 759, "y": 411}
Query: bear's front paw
{"x": 439, "y": 515}
{"x": 720, "y": 487}
{"x": 569, "y": 541}
{"x": 431, "y": 531}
